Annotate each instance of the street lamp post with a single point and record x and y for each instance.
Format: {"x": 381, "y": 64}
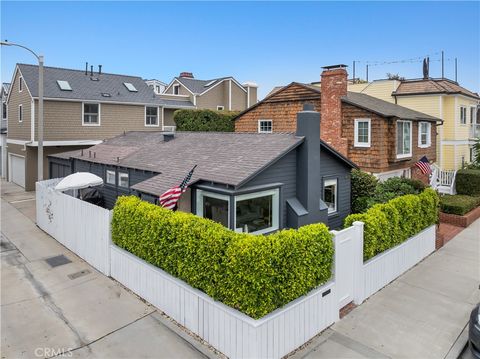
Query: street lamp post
{"x": 40, "y": 106}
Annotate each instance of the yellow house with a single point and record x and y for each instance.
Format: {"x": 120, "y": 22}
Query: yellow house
{"x": 442, "y": 98}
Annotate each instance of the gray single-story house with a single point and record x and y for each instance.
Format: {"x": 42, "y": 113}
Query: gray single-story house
{"x": 251, "y": 182}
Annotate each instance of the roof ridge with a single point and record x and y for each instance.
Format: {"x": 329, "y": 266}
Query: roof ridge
{"x": 82, "y": 71}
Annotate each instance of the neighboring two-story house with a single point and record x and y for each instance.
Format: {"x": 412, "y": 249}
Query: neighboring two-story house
{"x": 3, "y": 129}
{"x": 441, "y": 98}
{"x": 380, "y": 137}
{"x": 219, "y": 94}
{"x": 81, "y": 109}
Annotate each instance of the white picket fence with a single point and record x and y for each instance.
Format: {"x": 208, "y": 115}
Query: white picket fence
{"x": 85, "y": 229}
{"x": 80, "y": 226}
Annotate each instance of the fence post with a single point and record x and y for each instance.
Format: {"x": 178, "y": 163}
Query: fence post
{"x": 359, "y": 275}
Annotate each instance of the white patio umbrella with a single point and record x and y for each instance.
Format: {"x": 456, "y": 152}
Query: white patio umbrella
{"x": 78, "y": 180}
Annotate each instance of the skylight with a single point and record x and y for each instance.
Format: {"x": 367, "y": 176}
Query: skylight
{"x": 64, "y": 85}
{"x": 210, "y": 83}
{"x": 130, "y": 87}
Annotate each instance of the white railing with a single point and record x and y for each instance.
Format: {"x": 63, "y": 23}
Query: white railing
{"x": 80, "y": 226}
{"x": 85, "y": 229}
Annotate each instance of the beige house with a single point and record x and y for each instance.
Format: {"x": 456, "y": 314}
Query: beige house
{"x": 442, "y": 98}
{"x": 3, "y": 129}
{"x": 219, "y": 94}
{"x": 81, "y": 109}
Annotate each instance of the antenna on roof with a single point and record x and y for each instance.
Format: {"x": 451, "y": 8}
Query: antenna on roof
{"x": 443, "y": 62}
{"x": 456, "y": 69}
{"x": 86, "y": 68}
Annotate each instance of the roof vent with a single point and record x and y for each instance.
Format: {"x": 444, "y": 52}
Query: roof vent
{"x": 106, "y": 94}
{"x": 187, "y": 75}
{"x": 94, "y": 78}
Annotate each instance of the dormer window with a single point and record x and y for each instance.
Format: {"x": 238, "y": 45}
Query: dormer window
{"x": 64, "y": 85}
{"x": 176, "y": 89}
{"x": 130, "y": 87}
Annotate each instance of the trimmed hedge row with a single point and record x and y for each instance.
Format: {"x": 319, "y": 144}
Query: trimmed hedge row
{"x": 458, "y": 204}
{"x": 204, "y": 120}
{"x": 468, "y": 182}
{"x": 391, "y": 223}
{"x": 254, "y": 274}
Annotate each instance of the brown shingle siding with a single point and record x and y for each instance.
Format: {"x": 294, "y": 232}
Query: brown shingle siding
{"x": 19, "y": 130}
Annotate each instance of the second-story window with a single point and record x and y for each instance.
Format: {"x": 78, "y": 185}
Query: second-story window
{"x": 110, "y": 177}
{"x": 404, "y": 139}
{"x": 123, "y": 179}
{"x": 20, "y": 113}
{"x": 424, "y": 134}
{"x": 176, "y": 89}
{"x": 265, "y": 126}
{"x": 463, "y": 115}
{"x": 20, "y": 84}
{"x": 4, "y": 111}
{"x": 157, "y": 89}
{"x": 151, "y": 116}
{"x": 473, "y": 114}
{"x": 362, "y": 132}
{"x": 91, "y": 114}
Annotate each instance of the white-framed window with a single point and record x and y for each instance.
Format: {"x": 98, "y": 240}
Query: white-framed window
{"x": 220, "y": 108}
{"x": 20, "y": 113}
{"x": 91, "y": 114}
{"x": 463, "y": 115}
{"x": 404, "y": 139}
{"x": 362, "y": 132}
{"x": 123, "y": 179}
{"x": 151, "y": 116}
{"x": 473, "y": 114}
{"x": 176, "y": 89}
{"x": 265, "y": 126}
{"x": 213, "y": 206}
{"x": 257, "y": 212}
{"x": 157, "y": 89}
{"x": 20, "y": 84}
{"x": 424, "y": 134}
{"x": 4, "y": 110}
{"x": 110, "y": 177}
{"x": 330, "y": 195}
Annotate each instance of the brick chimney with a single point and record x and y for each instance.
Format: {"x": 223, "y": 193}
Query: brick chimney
{"x": 187, "y": 75}
{"x": 333, "y": 87}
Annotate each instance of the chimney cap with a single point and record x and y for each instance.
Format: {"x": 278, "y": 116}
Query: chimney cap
{"x": 186, "y": 74}
{"x": 333, "y": 67}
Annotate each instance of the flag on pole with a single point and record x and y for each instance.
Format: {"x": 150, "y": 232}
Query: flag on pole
{"x": 170, "y": 198}
{"x": 424, "y": 165}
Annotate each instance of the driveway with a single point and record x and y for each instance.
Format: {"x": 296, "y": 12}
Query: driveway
{"x": 53, "y": 302}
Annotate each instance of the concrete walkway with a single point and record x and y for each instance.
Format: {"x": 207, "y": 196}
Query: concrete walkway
{"x": 72, "y": 308}
{"x": 419, "y": 315}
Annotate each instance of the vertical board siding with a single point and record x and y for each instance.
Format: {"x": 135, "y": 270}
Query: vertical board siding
{"x": 80, "y": 226}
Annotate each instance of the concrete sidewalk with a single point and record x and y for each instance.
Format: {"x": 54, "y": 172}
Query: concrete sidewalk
{"x": 72, "y": 308}
{"x": 419, "y": 315}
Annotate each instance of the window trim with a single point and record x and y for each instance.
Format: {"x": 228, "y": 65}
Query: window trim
{"x": 259, "y": 128}
{"x": 406, "y": 155}
{"x": 176, "y": 86}
{"x": 20, "y": 113}
{"x": 220, "y": 108}
{"x": 158, "y": 117}
{"x": 473, "y": 111}
{"x": 99, "y": 114}
{"x": 5, "y": 113}
{"x": 107, "y": 172}
{"x": 123, "y": 174}
{"x": 200, "y": 193}
{"x": 463, "y": 109}
{"x": 356, "y": 143}
{"x": 429, "y": 134}
{"x": 275, "y": 193}
{"x": 20, "y": 84}
{"x": 325, "y": 184}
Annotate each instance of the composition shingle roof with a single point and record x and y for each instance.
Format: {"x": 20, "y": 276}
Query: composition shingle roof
{"x": 228, "y": 158}
{"x": 198, "y": 86}
{"x": 432, "y": 86}
{"x": 83, "y": 88}
{"x": 6, "y": 87}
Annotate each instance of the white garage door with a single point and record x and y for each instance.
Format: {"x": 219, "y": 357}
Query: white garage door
{"x": 17, "y": 169}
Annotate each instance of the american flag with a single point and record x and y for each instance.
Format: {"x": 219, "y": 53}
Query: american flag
{"x": 424, "y": 165}
{"x": 170, "y": 198}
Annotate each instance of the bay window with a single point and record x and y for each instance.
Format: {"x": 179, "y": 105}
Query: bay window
{"x": 404, "y": 139}
{"x": 257, "y": 212}
{"x": 213, "y": 206}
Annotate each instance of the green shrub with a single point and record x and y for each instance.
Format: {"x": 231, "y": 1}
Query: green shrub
{"x": 254, "y": 274}
{"x": 458, "y": 204}
{"x": 389, "y": 224}
{"x": 468, "y": 182}
{"x": 204, "y": 120}
{"x": 363, "y": 188}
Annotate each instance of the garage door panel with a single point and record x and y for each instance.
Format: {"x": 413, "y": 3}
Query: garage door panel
{"x": 17, "y": 169}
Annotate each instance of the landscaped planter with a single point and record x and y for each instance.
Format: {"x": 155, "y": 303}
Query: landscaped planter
{"x": 460, "y": 221}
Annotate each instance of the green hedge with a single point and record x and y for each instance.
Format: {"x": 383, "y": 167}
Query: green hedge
{"x": 254, "y": 274}
{"x": 468, "y": 182}
{"x": 458, "y": 204}
{"x": 363, "y": 188}
{"x": 391, "y": 223}
{"x": 204, "y": 120}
